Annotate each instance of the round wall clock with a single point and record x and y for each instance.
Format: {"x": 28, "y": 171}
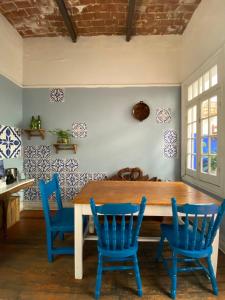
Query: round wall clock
{"x": 141, "y": 111}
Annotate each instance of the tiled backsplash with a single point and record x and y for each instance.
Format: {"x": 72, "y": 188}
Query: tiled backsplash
{"x": 40, "y": 164}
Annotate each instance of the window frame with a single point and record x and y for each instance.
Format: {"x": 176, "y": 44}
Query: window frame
{"x": 208, "y": 182}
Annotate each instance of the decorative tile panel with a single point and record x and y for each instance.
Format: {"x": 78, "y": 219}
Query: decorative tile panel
{"x": 170, "y": 151}
{"x": 71, "y": 165}
{"x": 163, "y": 115}
{"x": 10, "y": 142}
{"x": 71, "y": 179}
{"x": 99, "y": 176}
{"x": 79, "y": 130}
{"x": 31, "y": 194}
{"x": 56, "y": 95}
{"x": 29, "y": 165}
{"x": 57, "y": 165}
{"x": 43, "y": 166}
{"x": 29, "y": 152}
{"x": 43, "y": 152}
{"x": 170, "y": 136}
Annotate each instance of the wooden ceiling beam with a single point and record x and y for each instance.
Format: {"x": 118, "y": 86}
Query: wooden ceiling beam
{"x": 67, "y": 20}
{"x": 130, "y": 19}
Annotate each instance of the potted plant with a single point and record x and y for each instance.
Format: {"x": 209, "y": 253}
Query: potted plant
{"x": 63, "y": 136}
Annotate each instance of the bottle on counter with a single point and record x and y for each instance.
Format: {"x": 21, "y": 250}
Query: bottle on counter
{"x": 33, "y": 124}
{"x": 38, "y": 121}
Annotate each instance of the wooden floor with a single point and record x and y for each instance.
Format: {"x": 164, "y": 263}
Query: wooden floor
{"x": 26, "y": 274}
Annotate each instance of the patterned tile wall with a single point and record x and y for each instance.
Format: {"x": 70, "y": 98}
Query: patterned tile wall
{"x": 10, "y": 142}
{"x": 40, "y": 164}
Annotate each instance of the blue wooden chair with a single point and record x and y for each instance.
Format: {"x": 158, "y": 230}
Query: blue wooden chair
{"x": 117, "y": 237}
{"x": 191, "y": 240}
{"x": 61, "y": 222}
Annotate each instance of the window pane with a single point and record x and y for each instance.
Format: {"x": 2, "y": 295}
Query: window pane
{"x": 195, "y": 89}
{"x": 193, "y": 130}
{"x": 189, "y": 161}
{"x": 213, "y": 145}
{"x": 205, "y": 129}
{"x": 189, "y": 130}
{"x": 200, "y": 85}
{"x": 194, "y": 113}
{"x": 213, "y": 125}
{"x": 194, "y": 162}
{"x": 214, "y": 76}
{"x": 194, "y": 146}
{"x": 190, "y": 115}
{"x": 205, "y": 145}
{"x": 206, "y": 81}
{"x": 213, "y": 106}
{"x": 189, "y": 92}
{"x": 205, "y": 109}
{"x": 205, "y": 164}
{"x": 189, "y": 147}
{"x": 213, "y": 165}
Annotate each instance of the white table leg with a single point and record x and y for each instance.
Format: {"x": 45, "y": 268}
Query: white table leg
{"x": 214, "y": 256}
{"x": 78, "y": 241}
{"x": 91, "y": 228}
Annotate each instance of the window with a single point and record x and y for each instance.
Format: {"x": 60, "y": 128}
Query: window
{"x": 202, "y": 120}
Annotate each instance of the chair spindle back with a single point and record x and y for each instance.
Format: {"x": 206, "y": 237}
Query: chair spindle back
{"x": 115, "y": 224}
{"x": 201, "y": 222}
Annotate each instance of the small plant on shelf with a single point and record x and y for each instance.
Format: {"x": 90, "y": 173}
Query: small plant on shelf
{"x": 63, "y": 136}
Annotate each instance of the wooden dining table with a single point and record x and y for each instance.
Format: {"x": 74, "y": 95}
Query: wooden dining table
{"x": 158, "y": 196}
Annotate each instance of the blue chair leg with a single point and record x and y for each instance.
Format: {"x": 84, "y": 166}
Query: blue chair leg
{"x": 137, "y": 275}
{"x": 49, "y": 245}
{"x": 61, "y": 236}
{"x": 174, "y": 276}
{"x": 212, "y": 276}
{"x": 160, "y": 249}
{"x": 99, "y": 278}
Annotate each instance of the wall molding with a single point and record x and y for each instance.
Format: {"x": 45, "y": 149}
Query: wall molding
{"x": 13, "y": 80}
{"x": 102, "y": 85}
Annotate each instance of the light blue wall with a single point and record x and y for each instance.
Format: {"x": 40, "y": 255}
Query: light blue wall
{"x": 11, "y": 111}
{"x": 115, "y": 139}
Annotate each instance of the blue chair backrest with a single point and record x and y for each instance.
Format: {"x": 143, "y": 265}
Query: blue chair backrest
{"x": 47, "y": 190}
{"x": 119, "y": 229}
{"x": 201, "y": 222}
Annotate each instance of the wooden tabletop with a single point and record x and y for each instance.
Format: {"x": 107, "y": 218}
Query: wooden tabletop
{"x": 157, "y": 193}
{"x": 15, "y": 187}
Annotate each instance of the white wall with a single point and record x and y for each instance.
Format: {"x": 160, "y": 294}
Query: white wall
{"x": 11, "y": 52}
{"x": 102, "y": 60}
{"x": 203, "y": 36}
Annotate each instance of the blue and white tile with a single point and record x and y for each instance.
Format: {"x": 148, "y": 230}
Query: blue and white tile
{"x": 56, "y": 95}
{"x": 57, "y": 165}
{"x": 71, "y": 193}
{"x": 72, "y": 179}
{"x": 43, "y": 152}
{"x": 170, "y": 151}
{"x": 29, "y": 152}
{"x": 29, "y": 166}
{"x": 43, "y": 166}
{"x": 10, "y": 142}
{"x": 170, "y": 136}
{"x": 31, "y": 194}
{"x": 62, "y": 179}
{"x": 79, "y": 129}
{"x": 71, "y": 165}
{"x": 99, "y": 176}
{"x": 163, "y": 115}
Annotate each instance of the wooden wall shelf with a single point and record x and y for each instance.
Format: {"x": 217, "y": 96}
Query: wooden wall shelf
{"x": 62, "y": 146}
{"x": 35, "y": 132}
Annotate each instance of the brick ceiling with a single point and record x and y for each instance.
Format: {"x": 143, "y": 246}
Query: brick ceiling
{"x": 39, "y": 18}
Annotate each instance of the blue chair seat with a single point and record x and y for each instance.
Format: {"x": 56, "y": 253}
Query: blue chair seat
{"x": 167, "y": 230}
{"x": 63, "y": 218}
